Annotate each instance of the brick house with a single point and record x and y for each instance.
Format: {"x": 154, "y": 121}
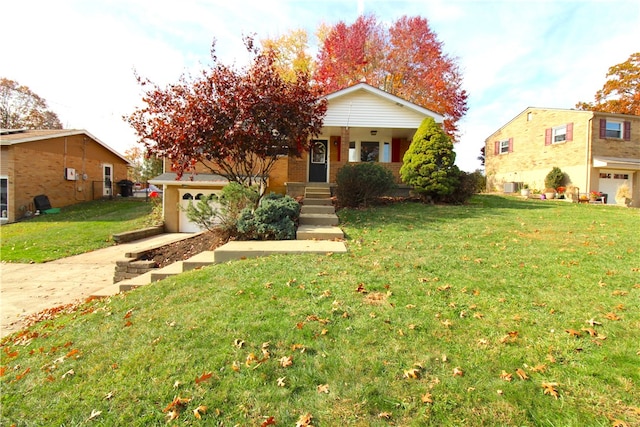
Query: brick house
{"x": 362, "y": 124}
{"x": 596, "y": 151}
{"x": 68, "y": 166}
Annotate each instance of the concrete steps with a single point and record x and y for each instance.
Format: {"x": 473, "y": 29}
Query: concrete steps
{"x": 318, "y": 219}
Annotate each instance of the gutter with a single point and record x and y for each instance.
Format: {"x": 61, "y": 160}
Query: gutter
{"x": 588, "y": 153}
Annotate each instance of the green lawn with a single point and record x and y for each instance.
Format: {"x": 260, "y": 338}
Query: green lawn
{"x": 501, "y": 312}
{"x": 76, "y": 229}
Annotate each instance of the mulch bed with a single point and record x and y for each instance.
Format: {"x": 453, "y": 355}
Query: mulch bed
{"x": 186, "y": 248}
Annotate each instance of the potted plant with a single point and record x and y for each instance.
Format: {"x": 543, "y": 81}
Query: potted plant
{"x": 594, "y": 195}
{"x": 549, "y": 193}
{"x": 623, "y": 195}
{"x": 525, "y": 191}
{"x": 553, "y": 180}
{"x": 560, "y": 192}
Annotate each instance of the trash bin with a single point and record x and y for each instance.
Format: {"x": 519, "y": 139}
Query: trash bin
{"x": 126, "y": 187}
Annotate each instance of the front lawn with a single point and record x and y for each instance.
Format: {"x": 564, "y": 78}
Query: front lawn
{"x": 76, "y": 229}
{"x": 501, "y": 312}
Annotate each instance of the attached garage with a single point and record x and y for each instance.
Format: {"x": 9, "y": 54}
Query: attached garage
{"x": 178, "y": 193}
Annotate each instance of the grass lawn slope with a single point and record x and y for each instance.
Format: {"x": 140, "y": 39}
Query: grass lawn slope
{"x": 76, "y": 229}
{"x": 501, "y": 312}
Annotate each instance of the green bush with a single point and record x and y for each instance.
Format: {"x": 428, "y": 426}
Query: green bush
{"x": 360, "y": 183}
{"x": 274, "y": 219}
{"x": 204, "y": 212}
{"x": 468, "y": 184}
{"x": 428, "y": 165}
{"x": 554, "y": 178}
{"x": 234, "y": 199}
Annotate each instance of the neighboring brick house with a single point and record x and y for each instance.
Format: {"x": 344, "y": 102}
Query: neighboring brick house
{"x": 362, "y": 123}
{"x": 68, "y": 166}
{"x": 596, "y": 151}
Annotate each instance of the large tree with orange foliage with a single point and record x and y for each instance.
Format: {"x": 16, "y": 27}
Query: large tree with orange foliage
{"x": 407, "y": 59}
{"x": 621, "y": 92}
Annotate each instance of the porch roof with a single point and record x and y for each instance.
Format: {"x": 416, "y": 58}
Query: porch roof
{"x": 616, "y": 163}
{"x": 188, "y": 180}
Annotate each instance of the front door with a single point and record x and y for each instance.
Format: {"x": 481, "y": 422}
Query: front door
{"x": 318, "y": 161}
{"x": 107, "y": 178}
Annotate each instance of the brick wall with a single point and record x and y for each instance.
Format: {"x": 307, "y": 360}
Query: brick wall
{"x": 38, "y": 167}
{"x": 530, "y": 160}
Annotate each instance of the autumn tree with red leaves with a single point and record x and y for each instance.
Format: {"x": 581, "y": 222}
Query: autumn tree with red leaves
{"x": 234, "y": 122}
{"x": 406, "y": 60}
{"x": 621, "y": 93}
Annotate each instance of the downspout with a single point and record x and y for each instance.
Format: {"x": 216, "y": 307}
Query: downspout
{"x": 588, "y": 155}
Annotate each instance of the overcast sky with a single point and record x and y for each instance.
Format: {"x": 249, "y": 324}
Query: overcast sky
{"x": 81, "y": 55}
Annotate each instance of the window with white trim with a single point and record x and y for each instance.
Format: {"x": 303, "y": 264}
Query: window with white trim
{"x": 614, "y": 129}
{"x": 369, "y": 151}
{"x": 559, "y": 134}
{"x": 504, "y": 146}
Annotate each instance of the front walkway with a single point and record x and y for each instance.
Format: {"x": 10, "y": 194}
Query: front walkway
{"x": 27, "y": 289}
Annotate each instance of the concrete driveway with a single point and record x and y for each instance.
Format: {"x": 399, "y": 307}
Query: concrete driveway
{"x": 26, "y": 289}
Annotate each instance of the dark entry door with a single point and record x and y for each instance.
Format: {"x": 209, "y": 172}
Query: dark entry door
{"x": 318, "y": 161}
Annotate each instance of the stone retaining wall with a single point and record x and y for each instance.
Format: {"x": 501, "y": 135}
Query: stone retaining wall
{"x": 129, "y": 268}
{"x": 130, "y": 236}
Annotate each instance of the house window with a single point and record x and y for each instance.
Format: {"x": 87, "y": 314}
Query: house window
{"x": 386, "y": 153}
{"x": 369, "y": 151}
{"x": 504, "y": 146}
{"x": 353, "y": 156}
{"x": 620, "y": 176}
{"x": 605, "y": 176}
{"x": 613, "y": 129}
{"x": 559, "y": 134}
{"x": 4, "y": 198}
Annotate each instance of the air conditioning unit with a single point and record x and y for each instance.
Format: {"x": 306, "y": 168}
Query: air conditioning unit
{"x": 70, "y": 174}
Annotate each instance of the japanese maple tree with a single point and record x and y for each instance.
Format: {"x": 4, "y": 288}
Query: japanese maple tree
{"x": 407, "y": 60}
{"x": 621, "y": 92}
{"x": 235, "y": 122}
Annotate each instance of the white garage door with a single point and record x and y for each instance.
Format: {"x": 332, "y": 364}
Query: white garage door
{"x": 609, "y": 182}
{"x": 192, "y": 196}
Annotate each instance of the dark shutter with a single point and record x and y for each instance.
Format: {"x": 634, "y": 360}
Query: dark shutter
{"x": 511, "y": 145}
{"x": 548, "y": 132}
{"x": 496, "y": 151}
{"x": 627, "y": 131}
{"x": 603, "y": 128}
{"x": 569, "y": 135}
{"x": 395, "y": 150}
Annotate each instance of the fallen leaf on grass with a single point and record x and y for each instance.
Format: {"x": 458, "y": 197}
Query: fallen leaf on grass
{"x": 573, "y": 333}
{"x": 426, "y": 398}
{"x": 109, "y": 396}
{"x": 612, "y": 316}
{"x": 69, "y": 373}
{"x": 522, "y": 374}
{"x": 199, "y": 411}
{"x": 304, "y": 420}
{"x": 238, "y": 343}
{"x": 323, "y": 388}
{"x": 457, "y": 372}
{"x": 268, "y": 422}
{"x": 539, "y": 368}
{"x": 205, "y": 376}
{"x": 173, "y": 408}
{"x": 550, "y": 389}
{"x": 94, "y": 414}
{"x": 286, "y": 361}
{"x": 385, "y": 415}
{"x": 281, "y": 382}
{"x": 412, "y": 373}
{"x": 506, "y": 376}
{"x": 619, "y": 423}
{"x": 509, "y": 338}
{"x": 592, "y": 332}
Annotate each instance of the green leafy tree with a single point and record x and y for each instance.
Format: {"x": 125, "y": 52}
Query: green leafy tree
{"x": 428, "y": 165}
